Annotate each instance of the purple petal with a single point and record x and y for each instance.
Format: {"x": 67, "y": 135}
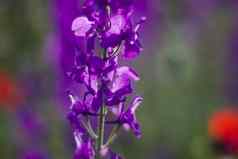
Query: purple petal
{"x": 118, "y": 23}
{"x": 128, "y": 73}
{"x": 78, "y": 138}
{"x": 91, "y": 82}
{"x": 81, "y": 26}
{"x": 84, "y": 150}
{"x": 118, "y": 109}
{"x": 96, "y": 65}
{"x": 135, "y": 104}
{"x": 132, "y": 49}
{"x": 74, "y": 122}
{"x": 132, "y": 46}
{"x": 97, "y": 101}
{"x": 118, "y": 96}
{"x": 115, "y": 35}
{"x": 123, "y": 76}
{"x": 129, "y": 117}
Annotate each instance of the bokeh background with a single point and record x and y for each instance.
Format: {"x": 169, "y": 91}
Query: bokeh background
{"x": 188, "y": 70}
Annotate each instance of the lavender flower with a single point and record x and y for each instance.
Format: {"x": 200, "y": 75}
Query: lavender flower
{"x": 31, "y": 124}
{"x": 106, "y": 85}
{"x": 30, "y": 131}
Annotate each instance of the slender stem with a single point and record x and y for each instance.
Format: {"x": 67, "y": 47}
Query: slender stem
{"x": 113, "y": 135}
{"x": 100, "y": 140}
{"x": 101, "y": 124}
{"x": 89, "y": 128}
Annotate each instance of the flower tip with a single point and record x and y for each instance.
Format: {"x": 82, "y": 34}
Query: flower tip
{"x": 134, "y": 75}
{"x": 72, "y": 99}
{"x": 136, "y": 102}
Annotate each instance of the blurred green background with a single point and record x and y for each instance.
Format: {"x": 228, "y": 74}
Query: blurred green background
{"x": 184, "y": 78}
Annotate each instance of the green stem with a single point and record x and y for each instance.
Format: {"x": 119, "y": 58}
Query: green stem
{"x": 100, "y": 140}
{"x": 101, "y": 124}
{"x": 113, "y": 135}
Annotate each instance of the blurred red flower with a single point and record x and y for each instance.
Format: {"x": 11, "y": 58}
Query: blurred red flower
{"x": 10, "y": 94}
{"x": 223, "y": 129}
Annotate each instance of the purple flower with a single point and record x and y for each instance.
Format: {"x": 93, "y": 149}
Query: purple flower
{"x": 84, "y": 149}
{"x": 118, "y": 23}
{"x": 31, "y": 124}
{"x": 133, "y": 46}
{"x": 112, "y": 24}
{"x": 108, "y": 32}
{"x": 121, "y": 84}
{"x": 33, "y": 154}
{"x": 129, "y": 117}
{"x": 81, "y": 26}
{"x": 122, "y": 77}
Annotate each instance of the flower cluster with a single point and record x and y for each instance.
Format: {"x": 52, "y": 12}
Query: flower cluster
{"x": 109, "y": 36}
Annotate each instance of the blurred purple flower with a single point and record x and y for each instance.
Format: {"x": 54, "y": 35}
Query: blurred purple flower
{"x": 231, "y": 72}
{"x": 201, "y": 8}
{"x": 31, "y": 124}
{"x": 64, "y": 12}
{"x": 33, "y": 154}
{"x": 60, "y": 45}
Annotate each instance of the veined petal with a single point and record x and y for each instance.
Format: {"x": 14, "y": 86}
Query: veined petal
{"x": 123, "y": 77}
{"x": 81, "y": 26}
{"x": 118, "y": 23}
{"x": 127, "y": 72}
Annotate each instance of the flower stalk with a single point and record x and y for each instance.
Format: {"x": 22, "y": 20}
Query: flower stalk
{"x": 106, "y": 84}
{"x": 100, "y": 140}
